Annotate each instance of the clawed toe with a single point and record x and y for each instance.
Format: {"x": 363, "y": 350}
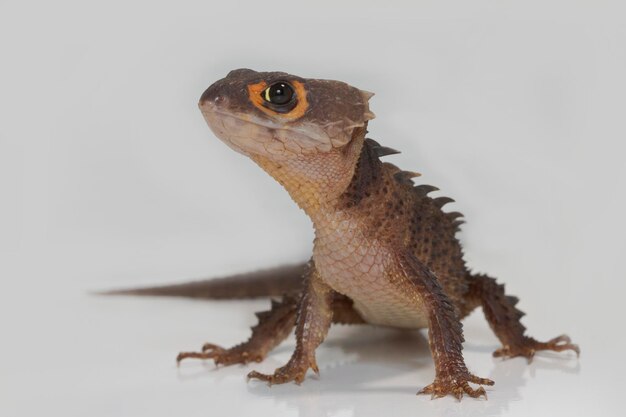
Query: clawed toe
{"x": 196, "y": 355}
{"x": 209, "y": 351}
{"x": 211, "y": 347}
{"x": 480, "y": 381}
{"x": 528, "y": 346}
{"x": 560, "y": 344}
{"x": 219, "y": 355}
{"x": 457, "y": 386}
{"x": 261, "y": 377}
{"x": 272, "y": 379}
{"x": 562, "y": 338}
{"x": 278, "y": 377}
{"x": 294, "y": 370}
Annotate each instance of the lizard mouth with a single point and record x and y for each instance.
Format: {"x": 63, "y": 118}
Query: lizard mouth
{"x": 250, "y": 134}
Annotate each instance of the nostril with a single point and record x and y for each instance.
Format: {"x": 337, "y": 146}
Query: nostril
{"x": 212, "y": 95}
{"x": 217, "y": 95}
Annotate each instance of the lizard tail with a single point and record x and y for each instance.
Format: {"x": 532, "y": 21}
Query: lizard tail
{"x": 277, "y": 281}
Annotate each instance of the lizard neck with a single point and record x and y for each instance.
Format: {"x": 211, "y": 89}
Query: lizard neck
{"x": 316, "y": 181}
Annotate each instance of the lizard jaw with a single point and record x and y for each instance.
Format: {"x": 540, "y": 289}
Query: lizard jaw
{"x": 251, "y": 135}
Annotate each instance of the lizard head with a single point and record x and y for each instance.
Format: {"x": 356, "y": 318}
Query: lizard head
{"x": 280, "y": 116}
{"x": 306, "y": 133}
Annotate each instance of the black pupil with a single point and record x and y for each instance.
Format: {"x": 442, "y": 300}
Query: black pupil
{"x": 280, "y": 93}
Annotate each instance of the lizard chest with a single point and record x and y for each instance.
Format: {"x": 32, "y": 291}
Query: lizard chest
{"x": 356, "y": 266}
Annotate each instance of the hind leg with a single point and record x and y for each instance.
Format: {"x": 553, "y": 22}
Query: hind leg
{"x": 504, "y": 320}
{"x": 274, "y": 326}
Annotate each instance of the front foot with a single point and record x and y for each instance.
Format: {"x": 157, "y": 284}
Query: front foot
{"x": 242, "y": 354}
{"x": 528, "y": 346}
{"x": 456, "y": 384}
{"x": 295, "y": 370}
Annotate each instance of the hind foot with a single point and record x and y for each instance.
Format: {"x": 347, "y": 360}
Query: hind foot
{"x": 239, "y": 354}
{"x": 527, "y": 347}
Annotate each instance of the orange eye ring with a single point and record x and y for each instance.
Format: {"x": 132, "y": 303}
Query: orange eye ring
{"x": 259, "y": 96}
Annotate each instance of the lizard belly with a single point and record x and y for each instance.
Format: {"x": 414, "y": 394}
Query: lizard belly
{"x": 352, "y": 266}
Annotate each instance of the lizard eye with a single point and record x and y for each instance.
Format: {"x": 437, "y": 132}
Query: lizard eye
{"x": 286, "y": 99}
{"x": 279, "y": 95}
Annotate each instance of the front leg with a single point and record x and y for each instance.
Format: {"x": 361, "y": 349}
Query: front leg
{"x": 445, "y": 331}
{"x": 314, "y": 317}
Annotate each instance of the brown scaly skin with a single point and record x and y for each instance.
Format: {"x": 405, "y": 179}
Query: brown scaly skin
{"x": 385, "y": 253}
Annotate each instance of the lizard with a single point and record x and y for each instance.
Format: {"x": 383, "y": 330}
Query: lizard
{"x": 385, "y": 252}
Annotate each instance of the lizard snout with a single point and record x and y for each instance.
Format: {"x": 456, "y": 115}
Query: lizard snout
{"x": 212, "y": 97}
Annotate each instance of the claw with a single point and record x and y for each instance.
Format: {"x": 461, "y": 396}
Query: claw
{"x": 238, "y": 354}
{"x": 278, "y": 377}
{"x": 314, "y": 366}
{"x": 197, "y": 355}
{"x": 211, "y": 346}
{"x": 561, "y": 343}
{"x": 481, "y": 381}
{"x": 562, "y": 338}
{"x": 293, "y": 371}
{"x": 260, "y": 377}
{"x": 528, "y": 346}
{"x": 209, "y": 351}
{"x": 457, "y": 386}
{"x": 481, "y": 391}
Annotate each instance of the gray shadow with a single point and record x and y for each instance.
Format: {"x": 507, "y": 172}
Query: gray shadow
{"x": 357, "y": 381}
{"x": 383, "y": 354}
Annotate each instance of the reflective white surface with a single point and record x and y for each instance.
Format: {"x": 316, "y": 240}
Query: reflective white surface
{"x": 109, "y": 177}
{"x": 75, "y": 354}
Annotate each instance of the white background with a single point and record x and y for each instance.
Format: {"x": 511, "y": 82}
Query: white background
{"x": 109, "y": 177}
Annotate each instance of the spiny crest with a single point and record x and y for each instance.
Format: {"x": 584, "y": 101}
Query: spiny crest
{"x": 422, "y": 190}
{"x": 380, "y": 150}
{"x": 442, "y": 201}
{"x": 455, "y": 217}
{"x": 512, "y": 300}
{"x": 404, "y": 177}
{"x": 367, "y": 172}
